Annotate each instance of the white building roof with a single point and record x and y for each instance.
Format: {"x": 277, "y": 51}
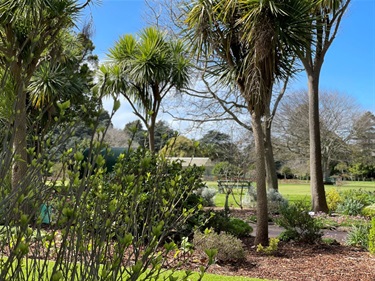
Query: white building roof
{"x": 189, "y": 161}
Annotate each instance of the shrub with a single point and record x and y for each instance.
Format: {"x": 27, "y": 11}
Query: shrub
{"x": 358, "y": 236}
{"x": 102, "y": 216}
{"x": 229, "y": 248}
{"x": 369, "y": 211}
{"x": 271, "y": 249}
{"x": 364, "y": 197}
{"x": 274, "y": 198}
{"x": 208, "y": 195}
{"x": 219, "y": 222}
{"x": 333, "y": 199}
{"x": 350, "y": 207}
{"x": 298, "y": 224}
{"x": 371, "y": 237}
{"x": 238, "y": 228}
{"x": 275, "y": 201}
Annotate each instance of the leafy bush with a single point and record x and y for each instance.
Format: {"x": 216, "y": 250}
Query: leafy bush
{"x": 298, "y": 224}
{"x": 102, "y": 220}
{"x": 350, "y": 207}
{"x": 371, "y": 237}
{"x": 369, "y": 211}
{"x": 238, "y": 228}
{"x": 219, "y": 222}
{"x": 229, "y": 248}
{"x": 333, "y": 199}
{"x": 364, "y": 197}
{"x": 358, "y": 236}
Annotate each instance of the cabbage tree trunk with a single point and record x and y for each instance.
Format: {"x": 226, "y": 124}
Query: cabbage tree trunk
{"x": 318, "y": 196}
{"x": 262, "y": 210}
{"x": 271, "y": 176}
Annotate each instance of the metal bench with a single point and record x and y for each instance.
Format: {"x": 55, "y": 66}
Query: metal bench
{"x": 225, "y": 186}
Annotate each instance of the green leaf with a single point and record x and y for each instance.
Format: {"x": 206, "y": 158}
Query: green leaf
{"x": 116, "y": 105}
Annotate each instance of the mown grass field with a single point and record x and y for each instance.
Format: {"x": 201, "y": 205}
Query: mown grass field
{"x": 293, "y": 191}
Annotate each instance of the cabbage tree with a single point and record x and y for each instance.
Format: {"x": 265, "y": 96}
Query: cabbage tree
{"x": 249, "y": 45}
{"x": 144, "y": 69}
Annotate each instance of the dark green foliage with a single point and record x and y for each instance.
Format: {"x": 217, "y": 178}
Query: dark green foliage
{"x": 298, "y": 224}
{"x": 238, "y": 228}
{"x": 162, "y": 133}
{"x": 220, "y": 222}
{"x": 226, "y": 170}
{"x": 218, "y": 146}
{"x": 217, "y": 221}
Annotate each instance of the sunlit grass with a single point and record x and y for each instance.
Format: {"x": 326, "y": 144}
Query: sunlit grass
{"x": 293, "y": 191}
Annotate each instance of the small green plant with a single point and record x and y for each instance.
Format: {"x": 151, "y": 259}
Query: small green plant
{"x": 371, "y": 237}
{"x": 358, "y": 236}
{"x": 350, "y": 207}
{"x": 238, "y": 228}
{"x": 228, "y": 247}
{"x": 369, "y": 211}
{"x": 333, "y": 199}
{"x": 298, "y": 224}
{"x": 271, "y": 249}
{"x": 329, "y": 241}
{"x": 186, "y": 246}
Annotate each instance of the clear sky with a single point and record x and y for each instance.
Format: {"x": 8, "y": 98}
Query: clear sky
{"x": 349, "y": 65}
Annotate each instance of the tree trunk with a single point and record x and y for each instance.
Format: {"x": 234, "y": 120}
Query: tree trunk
{"x": 271, "y": 175}
{"x": 262, "y": 211}
{"x": 151, "y": 134}
{"x": 19, "y": 143}
{"x": 318, "y": 196}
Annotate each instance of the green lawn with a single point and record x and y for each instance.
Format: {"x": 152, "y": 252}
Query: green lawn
{"x": 293, "y": 191}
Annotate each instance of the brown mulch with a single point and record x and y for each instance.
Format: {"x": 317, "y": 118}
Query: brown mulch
{"x": 303, "y": 262}
{"x": 318, "y": 262}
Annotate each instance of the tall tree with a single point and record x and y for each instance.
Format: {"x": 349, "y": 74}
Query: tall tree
{"x": 218, "y": 146}
{"x": 337, "y": 113}
{"x": 326, "y": 15}
{"x": 27, "y": 29}
{"x": 248, "y": 44}
{"x": 163, "y": 132}
{"x": 144, "y": 70}
{"x": 63, "y": 74}
{"x": 364, "y": 138}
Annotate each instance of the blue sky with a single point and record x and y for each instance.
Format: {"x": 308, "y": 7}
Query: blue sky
{"x": 349, "y": 66}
